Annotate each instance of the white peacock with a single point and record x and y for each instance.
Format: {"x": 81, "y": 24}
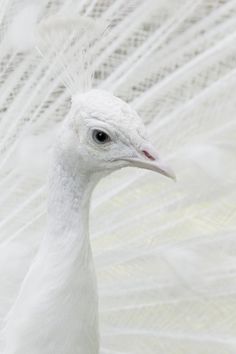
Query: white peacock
{"x": 164, "y": 253}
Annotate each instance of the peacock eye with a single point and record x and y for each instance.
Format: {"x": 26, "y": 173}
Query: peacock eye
{"x": 100, "y": 137}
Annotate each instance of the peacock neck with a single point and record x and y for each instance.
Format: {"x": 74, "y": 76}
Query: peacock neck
{"x": 70, "y": 191}
{"x": 58, "y": 300}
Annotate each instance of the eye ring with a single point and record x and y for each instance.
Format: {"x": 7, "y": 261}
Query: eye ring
{"x": 100, "y": 137}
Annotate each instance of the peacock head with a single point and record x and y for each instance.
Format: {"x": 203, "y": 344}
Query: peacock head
{"x": 105, "y": 134}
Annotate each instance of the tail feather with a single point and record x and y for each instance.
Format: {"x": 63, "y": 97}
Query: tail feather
{"x": 165, "y": 256}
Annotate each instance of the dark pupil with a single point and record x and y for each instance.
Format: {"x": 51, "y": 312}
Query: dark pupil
{"x": 101, "y": 136}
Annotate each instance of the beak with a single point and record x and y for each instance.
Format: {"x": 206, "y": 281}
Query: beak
{"x": 148, "y": 159}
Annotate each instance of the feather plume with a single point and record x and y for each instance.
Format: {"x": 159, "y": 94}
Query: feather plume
{"x": 69, "y": 39}
{"x": 21, "y": 31}
{"x": 164, "y": 253}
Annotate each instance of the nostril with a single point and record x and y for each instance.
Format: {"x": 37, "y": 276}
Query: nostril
{"x": 149, "y": 156}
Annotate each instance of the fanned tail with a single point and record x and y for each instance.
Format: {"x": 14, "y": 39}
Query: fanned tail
{"x": 165, "y": 252}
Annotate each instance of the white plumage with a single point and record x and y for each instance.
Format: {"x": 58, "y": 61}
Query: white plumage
{"x": 56, "y": 309}
{"x": 164, "y": 252}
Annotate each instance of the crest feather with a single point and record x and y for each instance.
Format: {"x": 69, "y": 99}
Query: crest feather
{"x": 69, "y": 41}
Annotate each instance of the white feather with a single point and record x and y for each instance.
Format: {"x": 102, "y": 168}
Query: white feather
{"x": 164, "y": 253}
{"x": 21, "y": 32}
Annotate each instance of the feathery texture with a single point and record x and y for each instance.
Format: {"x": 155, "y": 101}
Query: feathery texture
{"x": 165, "y": 253}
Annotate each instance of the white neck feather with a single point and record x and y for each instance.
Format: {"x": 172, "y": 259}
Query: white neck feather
{"x": 57, "y": 311}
